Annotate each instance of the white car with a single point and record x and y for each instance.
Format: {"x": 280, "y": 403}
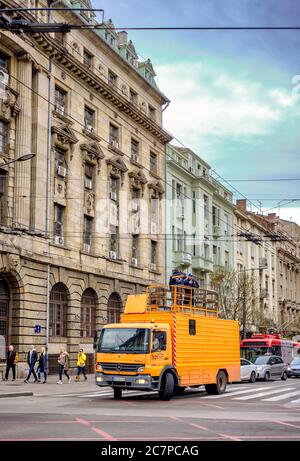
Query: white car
{"x": 248, "y": 371}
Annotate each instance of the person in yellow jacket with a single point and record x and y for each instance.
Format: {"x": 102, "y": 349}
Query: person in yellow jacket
{"x": 81, "y": 362}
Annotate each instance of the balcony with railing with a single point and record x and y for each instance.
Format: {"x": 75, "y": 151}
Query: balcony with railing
{"x": 182, "y": 258}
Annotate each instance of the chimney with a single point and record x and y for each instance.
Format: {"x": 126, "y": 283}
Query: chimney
{"x": 272, "y": 216}
{"x": 122, "y": 37}
{"x": 241, "y": 204}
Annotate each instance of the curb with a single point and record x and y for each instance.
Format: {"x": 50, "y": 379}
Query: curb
{"x": 16, "y": 394}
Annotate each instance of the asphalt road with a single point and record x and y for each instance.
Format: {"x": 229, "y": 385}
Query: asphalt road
{"x": 260, "y": 411}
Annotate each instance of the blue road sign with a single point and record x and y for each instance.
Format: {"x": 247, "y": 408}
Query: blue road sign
{"x": 37, "y": 328}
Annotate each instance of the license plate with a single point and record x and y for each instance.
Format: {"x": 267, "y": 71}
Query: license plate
{"x": 118, "y": 378}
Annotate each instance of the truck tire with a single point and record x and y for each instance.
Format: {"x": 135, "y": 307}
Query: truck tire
{"x": 220, "y": 386}
{"x": 117, "y": 393}
{"x": 179, "y": 390}
{"x": 167, "y": 387}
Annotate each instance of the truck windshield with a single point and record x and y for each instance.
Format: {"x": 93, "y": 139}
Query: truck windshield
{"x": 133, "y": 340}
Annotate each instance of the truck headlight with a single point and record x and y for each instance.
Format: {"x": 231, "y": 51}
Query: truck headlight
{"x": 99, "y": 379}
{"x": 141, "y": 381}
{"x": 141, "y": 369}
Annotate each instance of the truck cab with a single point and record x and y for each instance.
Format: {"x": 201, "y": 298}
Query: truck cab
{"x": 133, "y": 355}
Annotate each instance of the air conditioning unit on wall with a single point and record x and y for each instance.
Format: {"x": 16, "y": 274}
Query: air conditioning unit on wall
{"x": 59, "y": 240}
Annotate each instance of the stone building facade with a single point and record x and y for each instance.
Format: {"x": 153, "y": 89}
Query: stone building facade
{"x": 272, "y": 245}
{"x": 287, "y": 237}
{"x": 257, "y": 256}
{"x": 200, "y": 217}
{"x": 81, "y": 222}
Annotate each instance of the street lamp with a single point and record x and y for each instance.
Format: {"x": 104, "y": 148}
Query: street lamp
{"x": 23, "y": 158}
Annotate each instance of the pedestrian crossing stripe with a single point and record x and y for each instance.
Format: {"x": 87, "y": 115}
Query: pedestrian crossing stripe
{"x": 262, "y": 394}
{"x": 282, "y": 397}
{"x": 230, "y": 394}
{"x": 239, "y": 393}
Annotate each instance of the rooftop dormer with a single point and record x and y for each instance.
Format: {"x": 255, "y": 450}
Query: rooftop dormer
{"x": 127, "y": 49}
{"x": 109, "y": 33}
{"x": 147, "y": 71}
{"x": 89, "y": 16}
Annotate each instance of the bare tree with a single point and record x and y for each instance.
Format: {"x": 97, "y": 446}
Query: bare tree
{"x": 237, "y": 294}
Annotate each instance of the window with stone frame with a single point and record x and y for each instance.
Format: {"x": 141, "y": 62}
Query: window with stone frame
{"x": 88, "y": 314}
{"x": 60, "y": 100}
{"x": 153, "y": 250}
{"x": 152, "y": 112}
{"x": 89, "y": 174}
{"x": 206, "y": 206}
{"x": 114, "y": 188}
{"x": 88, "y": 230}
{"x": 3, "y": 61}
{"x": 114, "y": 134}
{"x": 112, "y": 78}
{"x": 113, "y": 239}
{"x": 89, "y": 117}
{"x": 153, "y": 163}
{"x": 59, "y": 212}
{"x": 3, "y": 197}
{"x": 135, "y": 247}
{"x": 135, "y": 149}
{"x": 3, "y": 136}
{"x": 58, "y": 311}
{"x": 133, "y": 96}
{"x": 87, "y": 58}
{"x": 60, "y": 162}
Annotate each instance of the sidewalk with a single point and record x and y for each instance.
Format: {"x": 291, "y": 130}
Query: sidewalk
{"x": 19, "y": 389}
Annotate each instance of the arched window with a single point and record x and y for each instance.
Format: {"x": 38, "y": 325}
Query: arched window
{"x": 88, "y": 313}
{"x": 4, "y": 311}
{"x": 58, "y": 310}
{"x": 114, "y": 308}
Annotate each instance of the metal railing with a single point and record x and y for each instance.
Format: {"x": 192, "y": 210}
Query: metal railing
{"x": 178, "y": 298}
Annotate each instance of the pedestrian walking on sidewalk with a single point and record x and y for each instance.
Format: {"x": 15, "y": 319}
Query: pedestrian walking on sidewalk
{"x": 42, "y": 365}
{"x": 63, "y": 365}
{"x": 31, "y": 360}
{"x": 81, "y": 361}
{"x": 11, "y": 359}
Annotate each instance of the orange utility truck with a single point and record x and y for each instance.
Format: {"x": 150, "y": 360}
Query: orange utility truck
{"x": 169, "y": 338}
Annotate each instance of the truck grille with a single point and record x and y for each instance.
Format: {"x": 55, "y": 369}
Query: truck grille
{"x": 120, "y": 366}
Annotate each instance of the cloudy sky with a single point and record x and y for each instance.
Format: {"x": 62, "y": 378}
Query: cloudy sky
{"x": 235, "y": 95}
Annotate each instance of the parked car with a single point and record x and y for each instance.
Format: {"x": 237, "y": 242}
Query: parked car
{"x": 248, "y": 371}
{"x": 294, "y": 368}
{"x": 270, "y": 367}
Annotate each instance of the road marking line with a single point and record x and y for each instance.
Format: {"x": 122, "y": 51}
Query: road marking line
{"x": 262, "y": 394}
{"x": 287, "y": 424}
{"x": 103, "y": 434}
{"x": 229, "y": 394}
{"x": 282, "y": 397}
{"x": 225, "y": 436}
{"x": 295, "y": 401}
{"x": 199, "y": 427}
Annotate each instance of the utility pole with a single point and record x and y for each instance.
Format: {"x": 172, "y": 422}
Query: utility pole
{"x": 244, "y": 306}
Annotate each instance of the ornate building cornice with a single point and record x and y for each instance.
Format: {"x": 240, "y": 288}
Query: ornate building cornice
{"x": 63, "y": 57}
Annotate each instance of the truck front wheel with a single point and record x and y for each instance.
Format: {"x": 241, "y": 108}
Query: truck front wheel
{"x": 220, "y": 386}
{"x": 117, "y": 393}
{"x": 167, "y": 387}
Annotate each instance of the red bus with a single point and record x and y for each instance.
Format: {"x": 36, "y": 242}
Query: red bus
{"x": 260, "y": 344}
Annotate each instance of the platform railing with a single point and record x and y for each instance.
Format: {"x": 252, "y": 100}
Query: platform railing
{"x": 177, "y": 298}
